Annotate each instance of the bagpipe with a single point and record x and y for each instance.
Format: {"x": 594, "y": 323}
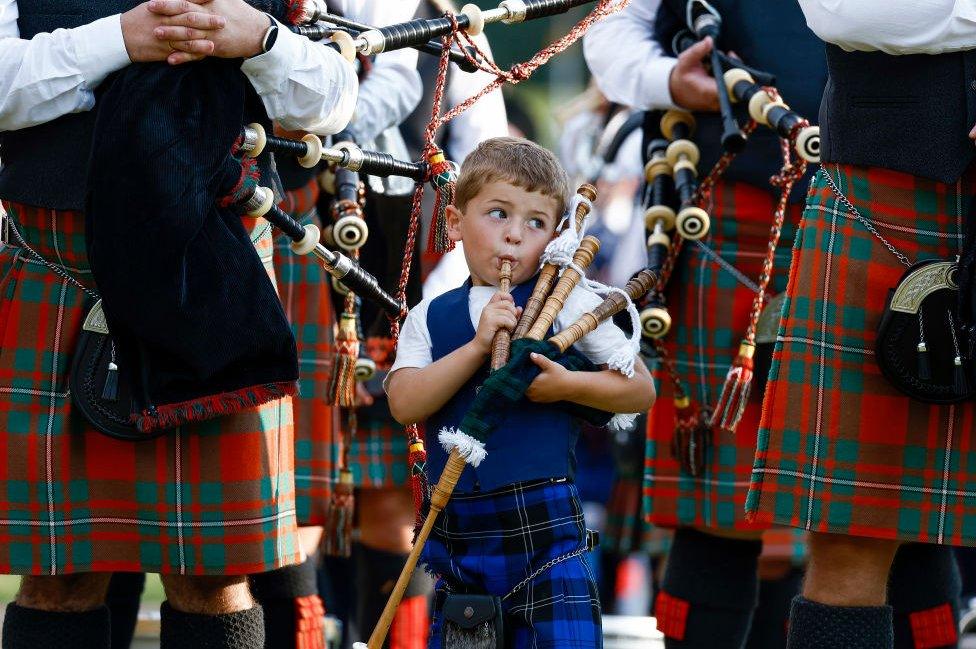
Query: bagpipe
{"x": 512, "y": 370}
{"x": 675, "y": 201}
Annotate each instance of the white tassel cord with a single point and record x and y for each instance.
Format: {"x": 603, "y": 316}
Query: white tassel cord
{"x": 467, "y": 446}
{"x": 623, "y": 421}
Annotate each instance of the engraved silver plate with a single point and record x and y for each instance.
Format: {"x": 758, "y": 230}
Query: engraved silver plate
{"x": 922, "y": 283}
{"x": 768, "y": 325}
{"x": 4, "y": 229}
{"x": 95, "y": 320}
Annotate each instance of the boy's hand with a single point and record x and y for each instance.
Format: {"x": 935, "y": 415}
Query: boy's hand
{"x": 240, "y": 37}
{"x": 550, "y": 386}
{"x": 499, "y": 313}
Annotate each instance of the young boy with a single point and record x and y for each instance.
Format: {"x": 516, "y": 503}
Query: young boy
{"x": 514, "y": 527}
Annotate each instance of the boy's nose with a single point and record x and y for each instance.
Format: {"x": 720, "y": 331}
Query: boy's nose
{"x": 513, "y": 233}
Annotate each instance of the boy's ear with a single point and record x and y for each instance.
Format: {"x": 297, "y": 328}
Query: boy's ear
{"x": 453, "y": 218}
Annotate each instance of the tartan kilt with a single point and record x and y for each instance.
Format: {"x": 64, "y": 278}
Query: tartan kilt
{"x": 840, "y": 450}
{"x": 304, "y": 288}
{"x": 378, "y": 449}
{"x": 627, "y": 530}
{"x": 710, "y": 297}
{"x": 491, "y": 542}
{"x": 215, "y": 497}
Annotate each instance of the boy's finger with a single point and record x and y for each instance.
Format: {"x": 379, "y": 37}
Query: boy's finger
{"x": 541, "y": 361}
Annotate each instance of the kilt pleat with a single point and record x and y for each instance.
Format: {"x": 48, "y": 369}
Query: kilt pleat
{"x": 304, "y": 289}
{"x": 840, "y": 450}
{"x": 215, "y": 497}
{"x": 710, "y": 296}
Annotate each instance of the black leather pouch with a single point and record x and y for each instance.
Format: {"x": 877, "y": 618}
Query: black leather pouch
{"x": 920, "y": 348}
{"x": 472, "y": 622}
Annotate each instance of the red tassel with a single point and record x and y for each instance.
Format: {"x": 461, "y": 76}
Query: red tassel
{"x": 443, "y": 176}
{"x": 342, "y": 389}
{"x": 735, "y": 393}
{"x": 337, "y": 541}
{"x": 226, "y": 403}
{"x": 419, "y": 485}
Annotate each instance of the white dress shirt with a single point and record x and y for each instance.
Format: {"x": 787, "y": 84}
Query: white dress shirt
{"x": 894, "y": 26}
{"x": 303, "y": 85}
{"x": 393, "y": 88}
{"x": 629, "y": 65}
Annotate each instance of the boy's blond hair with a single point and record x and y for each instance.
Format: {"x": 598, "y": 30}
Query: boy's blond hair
{"x": 516, "y": 161}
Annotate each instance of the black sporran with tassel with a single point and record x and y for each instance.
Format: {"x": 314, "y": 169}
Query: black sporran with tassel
{"x": 472, "y": 622}
{"x": 922, "y": 348}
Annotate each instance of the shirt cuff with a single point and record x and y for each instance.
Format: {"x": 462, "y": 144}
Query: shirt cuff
{"x": 656, "y": 82}
{"x": 99, "y": 49}
{"x": 269, "y": 71}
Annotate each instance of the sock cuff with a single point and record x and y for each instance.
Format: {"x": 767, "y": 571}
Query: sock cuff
{"x": 289, "y": 582}
{"x": 32, "y": 628}
{"x": 238, "y": 630}
{"x": 814, "y": 626}
{"x": 923, "y": 576}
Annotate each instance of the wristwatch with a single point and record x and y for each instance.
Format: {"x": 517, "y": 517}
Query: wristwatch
{"x": 270, "y": 36}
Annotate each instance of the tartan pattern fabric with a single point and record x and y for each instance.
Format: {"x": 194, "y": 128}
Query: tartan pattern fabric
{"x": 934, "y": 627}
{"x": 211, "y": 498}
{"x": 671, "y": 615}
{"x": 626, "y": 530}
{"x": 840, "y": 450}
{"x": 378, "y": 449}
{"x": 490, "y": 542}
{"x": 304, "y": 288}
{"x": 709, "y": 298}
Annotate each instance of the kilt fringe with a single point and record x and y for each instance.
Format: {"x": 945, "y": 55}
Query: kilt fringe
{"x": 218, "y": 405}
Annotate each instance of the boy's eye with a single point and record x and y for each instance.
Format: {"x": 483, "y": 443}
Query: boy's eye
{"x": 497, "y": 213}
{"x": 537, "y": 223}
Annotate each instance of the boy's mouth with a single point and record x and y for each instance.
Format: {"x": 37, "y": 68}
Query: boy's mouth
{"x": 509, "y": 258}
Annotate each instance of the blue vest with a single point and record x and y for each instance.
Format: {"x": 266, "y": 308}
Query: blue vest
{"x": 535, "y": 441}
{"x": 770, "y": 36}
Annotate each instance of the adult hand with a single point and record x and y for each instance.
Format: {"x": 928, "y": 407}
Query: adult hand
{"x": 240, "y": 37}
{"x": 691, "y": 86}
{"x": 139, "y": 26}
{"x": 972, "y": 134}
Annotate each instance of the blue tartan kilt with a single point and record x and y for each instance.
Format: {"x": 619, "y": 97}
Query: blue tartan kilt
{"x": 489, "y": 543}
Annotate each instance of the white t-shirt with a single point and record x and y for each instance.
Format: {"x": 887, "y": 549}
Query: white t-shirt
{"x": 414, "y": 346}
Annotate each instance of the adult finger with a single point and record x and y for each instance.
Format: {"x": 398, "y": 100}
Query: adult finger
{"x": 180, "y": 34}
{"x": 179, "y": 58}
{"x": 972, "y": 133}
{"x": 699, "y": 50}
{"x": 199, "y": 47}
{"x": 196, "y": 19}
{"x": 172, "y": 7}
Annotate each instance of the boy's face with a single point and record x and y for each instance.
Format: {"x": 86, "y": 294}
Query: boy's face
{"x": 503, "y": 222}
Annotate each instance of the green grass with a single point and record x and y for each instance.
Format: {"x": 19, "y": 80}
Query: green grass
{"x": 153, "y": 594}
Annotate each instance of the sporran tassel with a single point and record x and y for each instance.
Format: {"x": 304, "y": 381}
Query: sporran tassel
{"x": 417, "y": 459}
{"x": 110, "y": 391}
{"x": 443, "y": 176}
{"x": 692, "y": 436}
{"x": 338, "y": 527}
{"x": 735, "y": 392}
{"x": 924, "y": 365}
{"x": 342, "y": 390}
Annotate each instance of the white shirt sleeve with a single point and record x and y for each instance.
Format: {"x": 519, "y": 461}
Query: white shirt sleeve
{"x": 414, "y": 345}
{"x": 600, "y": 344}
{"x": 485, "y": 119}
{"x": 304, "y": 85}
{"x": 894, "y": 26}
{"x": 54, "y": 74}
{"x": 629, "y": 65}
{"x": 393, "y": 87}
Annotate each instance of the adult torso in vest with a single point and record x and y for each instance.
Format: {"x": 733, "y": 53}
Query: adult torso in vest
{"x": 47, "y": 165}
{"x": 535, "y": 441}
{"x": 910, "y": 113}
{"x": 770, "y": 36}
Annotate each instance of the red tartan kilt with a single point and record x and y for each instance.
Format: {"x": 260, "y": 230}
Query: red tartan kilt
{"x": 710, "y": 309}
{"x": 304, "y": 289}
{"x": 211, "y": 498}
{"x": 840, "y": 450}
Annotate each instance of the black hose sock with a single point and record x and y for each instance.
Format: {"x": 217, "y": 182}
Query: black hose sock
{"x": 122, "y": 600}
{"x": 239, "y": 630}
{"x": 923, "y": 591}
{"x": 31, "y": 628}
{"x": 818, "y": 626}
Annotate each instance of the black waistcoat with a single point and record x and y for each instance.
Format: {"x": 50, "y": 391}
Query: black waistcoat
{"x": 770, "y": 36}
{"x": 46, "y": 165}
{"x": 910, "y": 113}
